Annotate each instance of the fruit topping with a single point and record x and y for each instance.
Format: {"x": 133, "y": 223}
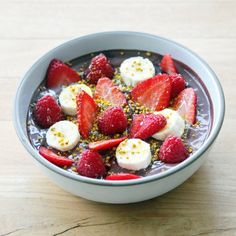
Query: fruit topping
{"x": 145, "y": 125}
{"x": 59, "y": 74}
{"x": 98, "y": 68}
{"x": 122, "y": 176}
{"x": 175, "y": 124}
{"x": 47, "y": 111}
{"x": 112, "y": 121}
{"x": 153, "y": 93}
{"x": 136, "y": 69}
{"x": 52, "y": 157}
{"x": 86, "y": 113}
{"x": 167, "y": 65}
{"x": 173, "y": 150}
{"x": 63, "y": 135}
{"x": 106, "y": 144}
{"x": 178, "y": 84}
{"x": 67, "y": 97}
{"x": 91, "y": 164}
{"x": 133, "y": 154}
{"x": 185, "y": 103}
{"x": 110, "y": 92}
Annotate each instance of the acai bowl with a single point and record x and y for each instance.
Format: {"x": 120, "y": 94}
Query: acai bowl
{"x": 119, "y": 117}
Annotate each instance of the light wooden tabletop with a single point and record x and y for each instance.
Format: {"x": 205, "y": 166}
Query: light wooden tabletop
{"x": 30, "y": 204}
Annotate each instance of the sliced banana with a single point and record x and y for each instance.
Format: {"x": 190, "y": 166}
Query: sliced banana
{"x": 67, "y": 97}
{"x": 63, "y": 135}
{"x": 133, "y": 154}
{"x": 175, "y": 124}
{"x": 136, "y": 69}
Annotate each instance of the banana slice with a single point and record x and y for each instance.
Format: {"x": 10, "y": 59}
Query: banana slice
{"x": 67, "y": 97}
{"x": 63, "y": 135}
{"x": 133, "y": 154}
{"x": 136, "y": 69}
{"x": 175, "y": 124}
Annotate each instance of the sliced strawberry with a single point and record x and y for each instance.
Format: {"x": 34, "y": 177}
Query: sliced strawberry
{"x": 110, "y": 92}
{"x": 54, "y": 158}
{"x": 153, "y": 93}
{"x": 59, "y": 74}
{"x": 168, "y": 65}
{"x": 145, "y": 125}
{"x": 122, "y": 176}
{"x": 178, "y": 84}
{"x": 86, "y": 113}
{"x": 185, "y": 104}
{"x": 106, "y": 144}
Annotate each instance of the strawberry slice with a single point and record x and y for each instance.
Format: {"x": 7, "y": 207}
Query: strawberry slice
{"x": 178, "y": 84}
{"x": 167, "y": 64}
{"x": 59, "y": 74}
{"x": 86, "y": 113}
{"x": 106, "y": 144}
{"x": 54, "y": 158}
{"x": 185, "y": 103}
{"x": 145, "y": 125}
{"x": 122, "y": 176}
{"x": 153, "y": 93}
{"x": 107, "y": 90}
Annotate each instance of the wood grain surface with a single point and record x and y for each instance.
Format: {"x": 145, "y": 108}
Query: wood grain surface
{"x": 32, "y": 205}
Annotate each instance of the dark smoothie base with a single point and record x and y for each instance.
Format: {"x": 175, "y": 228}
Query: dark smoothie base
{"x": 193, "y": 137}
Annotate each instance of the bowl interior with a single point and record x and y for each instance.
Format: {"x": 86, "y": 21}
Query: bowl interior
{"x": 108, "y": 41}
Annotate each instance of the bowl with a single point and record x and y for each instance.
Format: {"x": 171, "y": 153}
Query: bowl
{"x": 127, "y": 191}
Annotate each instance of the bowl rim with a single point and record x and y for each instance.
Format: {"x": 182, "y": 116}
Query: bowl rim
{"x": 208, "y": 142}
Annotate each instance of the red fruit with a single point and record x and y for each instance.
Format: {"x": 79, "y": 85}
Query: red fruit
{"x": 145, "y": 125}
{"x": 168, "y": 65}
{"x": 113, "y": 120}
{"x": 59, "y": 74}
{"x": 106, "y": 144}
{"x": 153, "y": 93}
{"x": 122, "y": 176}
{"x": 91, "y": 164}
{"x": 86, "y": 113}
{"x": 178, "y": 84}
{"x": 54, "y": 158}
{"x": 107, "y": 90}
{"x": 98, "y": 68}
{"x": 185, "y": 104}
{"x": 47, "y": 111}
{"x": 173, "y": 150}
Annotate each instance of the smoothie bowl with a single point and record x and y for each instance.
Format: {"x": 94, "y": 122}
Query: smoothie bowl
{"x": 119, "y": 117}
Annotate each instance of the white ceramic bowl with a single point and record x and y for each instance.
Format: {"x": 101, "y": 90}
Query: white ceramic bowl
{"x": 130, "y": 190}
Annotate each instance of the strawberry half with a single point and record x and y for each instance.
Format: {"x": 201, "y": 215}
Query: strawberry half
{"x": 167, "y": 64}
{"x": 153, "y": 93}
{"x": 122, "y": 176}
{"x": 86, "y": 113}
{"x": 106, "y": 144}
{"x": 59, "y": 74}
{"x": 54, "y": 158}
{"x": 185, "y": 104}
{"x": 110, "y": 92}
{"x": 145, "y": 125}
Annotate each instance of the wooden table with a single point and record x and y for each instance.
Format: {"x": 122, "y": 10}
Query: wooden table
{"x": 30, "y": 204}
